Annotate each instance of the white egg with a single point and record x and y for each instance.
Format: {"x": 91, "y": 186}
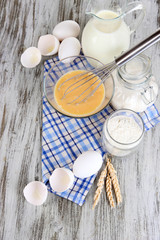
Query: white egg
{"x": 87, "y": 164}
{"x": 31, "y": 57}
{"x": 48, "y": 45}
{"x": 35, "y": 193}
{"x": 69, "y": 47}
{"x": 65, "y": 29}
{"x": 61, "y": 179}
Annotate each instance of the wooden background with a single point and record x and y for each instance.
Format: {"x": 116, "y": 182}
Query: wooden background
{"x": 138, "y": 218}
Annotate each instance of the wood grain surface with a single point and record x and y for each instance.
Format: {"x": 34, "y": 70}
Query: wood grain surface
{"x": 138, "y": 217}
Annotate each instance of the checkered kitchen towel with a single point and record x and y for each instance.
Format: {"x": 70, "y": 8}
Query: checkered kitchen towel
{"x": 64, "y": 139}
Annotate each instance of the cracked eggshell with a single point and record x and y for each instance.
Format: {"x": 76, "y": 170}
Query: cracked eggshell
{"x": 48, "y": 45}
{"x": 35, "y": 193}
{"x": 31, "y": 57}
{"x": 61, "y": 179}
{"x": 69, "y": 47}
{"x": 65, "y": 29}
{"x": 87, "y": 164}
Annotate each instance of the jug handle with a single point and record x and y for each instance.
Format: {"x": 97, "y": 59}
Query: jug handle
{"x": 133, "y": 7}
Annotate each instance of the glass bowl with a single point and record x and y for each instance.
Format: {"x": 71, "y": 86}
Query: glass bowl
{"x": 67, "y": 65}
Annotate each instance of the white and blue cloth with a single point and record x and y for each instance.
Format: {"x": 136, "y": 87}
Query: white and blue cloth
{"x": 64, "y": 139}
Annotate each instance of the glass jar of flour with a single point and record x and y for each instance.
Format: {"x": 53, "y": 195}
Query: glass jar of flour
{"x": 122, "y": 132}
{"x": 135, "y": 86}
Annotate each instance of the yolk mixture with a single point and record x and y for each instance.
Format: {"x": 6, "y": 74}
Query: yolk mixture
{"x": 66, "y": 98}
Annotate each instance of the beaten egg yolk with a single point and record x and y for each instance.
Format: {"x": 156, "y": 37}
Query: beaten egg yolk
{"x": 78, "y": 107}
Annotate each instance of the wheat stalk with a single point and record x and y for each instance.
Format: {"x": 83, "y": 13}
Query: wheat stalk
{"x": 111, "y": 179}
{"x": 109, "y": 190}
{"x": 115, "y": 183}
{"x": 100, "y": 185}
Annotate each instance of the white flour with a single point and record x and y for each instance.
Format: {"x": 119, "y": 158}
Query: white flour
{"x": 123, "y": 135}
{"x": 124, "y": 129}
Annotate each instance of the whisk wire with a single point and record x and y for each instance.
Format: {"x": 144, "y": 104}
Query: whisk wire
{"x": 95, "y": 89}
{"x": 99, "y": 73}
{"x": 101, "y": 78}
{"x": 83, "y": 74}
{"x": 66, "y": 93}
{"x": 83, "y": 93}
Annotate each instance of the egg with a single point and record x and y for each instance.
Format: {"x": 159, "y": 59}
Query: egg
{"x": 65, "y": 29}
{"x": 69, "y": 47}
{"x": 61, "y": 179}
{"x": 48, "y": 45}
{"x": 87, "y": 164}
{"x": 31, "y": 57}
{"x": 35, "y": 193}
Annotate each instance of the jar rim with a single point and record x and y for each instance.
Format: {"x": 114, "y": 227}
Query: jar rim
{"x": 136, "y": 80}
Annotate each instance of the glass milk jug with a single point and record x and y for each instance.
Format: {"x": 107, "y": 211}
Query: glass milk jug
{"x": 135, "y": 86}
{"x": 107, "y": 34}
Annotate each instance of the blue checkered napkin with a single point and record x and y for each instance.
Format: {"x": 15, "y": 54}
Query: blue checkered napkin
{"x": 64, "y": 139}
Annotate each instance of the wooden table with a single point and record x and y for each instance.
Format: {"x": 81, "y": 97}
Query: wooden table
{"x": 22, "y": 22}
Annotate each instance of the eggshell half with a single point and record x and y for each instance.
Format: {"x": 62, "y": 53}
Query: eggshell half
{"x": 35, "y": 193}
{"x": 65, "y": 29}
{"x": 61, "y": 179}
{"x": 31, "y": 57}
{"x": 48, "y": 45}
{"x": 87, "y": 164}
{"x": 69, "y": 47}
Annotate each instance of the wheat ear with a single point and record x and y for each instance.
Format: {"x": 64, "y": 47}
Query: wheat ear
{"x": 109, "y": 190}
{"x": 100, "y": 185}
{"x": 115, "y": 183}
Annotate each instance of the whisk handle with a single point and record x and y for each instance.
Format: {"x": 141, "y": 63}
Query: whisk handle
{"x": 136, "y": 50}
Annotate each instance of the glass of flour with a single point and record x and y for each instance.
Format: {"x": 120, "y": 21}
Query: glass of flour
{"x": 122, "y": 132}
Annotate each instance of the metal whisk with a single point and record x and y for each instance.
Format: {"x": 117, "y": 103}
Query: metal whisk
{"x": 103, "y": 72}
